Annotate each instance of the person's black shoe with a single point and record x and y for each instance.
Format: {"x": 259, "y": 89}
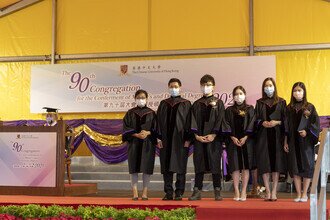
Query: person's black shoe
{"x": 178, "y": 197}
{"x": 167, "y": 197}
{"x": 197, "y": 195}
{"x": 217, "y": 194}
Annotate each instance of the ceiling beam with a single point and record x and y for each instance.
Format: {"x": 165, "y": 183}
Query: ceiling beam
{"x": 17, "y": 6}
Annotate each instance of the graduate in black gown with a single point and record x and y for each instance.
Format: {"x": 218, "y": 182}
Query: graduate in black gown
{"x": 51, "y": 116}
{"x": 174, "y": 121}
{"x": 270, "y": 123}
{"x": 141, "y": 135}
{"x": 240, "y": 144}
{"x": 207, "y": 117}
{"x": 303, "y": 134}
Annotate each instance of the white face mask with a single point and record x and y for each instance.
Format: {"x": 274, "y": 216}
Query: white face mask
{"x": 141, "y": 102}
{"x": 269, "y": 90}
{"x": 174, "y": 91}
{"x": 239, "y": 99}
{"x": 206, "y": 90}
{"x": 298, "y": 95}
{"x": 49, "y": 120}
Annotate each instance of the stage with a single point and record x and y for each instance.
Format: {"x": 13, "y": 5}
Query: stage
{"x": 205, "y": 209}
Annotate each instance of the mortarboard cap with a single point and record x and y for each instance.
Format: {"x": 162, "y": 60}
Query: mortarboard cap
{"x": 49, "y": 110}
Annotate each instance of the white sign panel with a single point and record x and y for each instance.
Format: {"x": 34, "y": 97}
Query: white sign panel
{"x": 28, "y": 159}
{"x": 110, "y": 86}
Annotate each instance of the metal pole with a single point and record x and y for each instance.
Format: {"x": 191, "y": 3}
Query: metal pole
{"x": 54, "y": 23}
{"x": 149, "y": 25}
{"x": 18, "y": 6}
{"x": 25, "y": 58}
{"x": 251, "y": 28}
{"x": 293, "y": 47}
{"x": 232, "y": 50}
{"x": 152, "y": 53}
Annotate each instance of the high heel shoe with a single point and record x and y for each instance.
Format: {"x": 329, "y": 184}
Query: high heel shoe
{"x": 297, "y": 199}
{"x": 267, "y": 198}
{"x": 236, "y": 199}
{"x": 273, "y": 199}
{"x": 242, "y": 199}
{"x": 304, "y": 199}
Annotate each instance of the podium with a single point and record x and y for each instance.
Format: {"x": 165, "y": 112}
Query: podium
{"x": 32, "y": 160}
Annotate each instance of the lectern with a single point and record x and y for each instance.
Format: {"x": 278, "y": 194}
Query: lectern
{"x": 32, "y": 160}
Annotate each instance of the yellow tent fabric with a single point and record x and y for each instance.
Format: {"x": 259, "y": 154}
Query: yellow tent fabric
{"x": 27, "y": 32}
{"x": 136, "y": 25}
{"x": 279, "y": 22}
{"x": 310, "y": 67}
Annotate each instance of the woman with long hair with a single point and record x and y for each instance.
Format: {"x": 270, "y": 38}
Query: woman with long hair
{"x": 240, "y": 118}
{"x": 270, "y": 119}
{"x": 303, "y": 133}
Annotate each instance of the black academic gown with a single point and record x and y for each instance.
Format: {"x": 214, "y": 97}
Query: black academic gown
{"x": 241, "y": 120}
{"x": 174, "y": 121}
{"x": 270, "y": 155}
{"x": 141, "y": 153}
{"x": 208, "y": 115}
{"x": 301, "y": 150}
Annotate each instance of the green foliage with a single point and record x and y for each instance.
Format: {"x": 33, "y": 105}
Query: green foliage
{"x": 96, "y": 212}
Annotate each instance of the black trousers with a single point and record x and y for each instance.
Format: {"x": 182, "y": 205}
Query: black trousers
{"x": 199, "y": 177}
{"x": 179, "y": 184}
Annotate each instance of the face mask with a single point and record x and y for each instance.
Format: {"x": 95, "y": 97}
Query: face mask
{"x": 49, "y": 120}
{"x": 141, "y": 102}
{"x": 239, "y": 99}
{"x": 174, "y": 91}
{"x": 206, "y": 90}
{"x": 269, "y": 90}
{"x": 299, "y": 95}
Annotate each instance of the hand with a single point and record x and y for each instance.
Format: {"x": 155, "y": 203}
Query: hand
{"x": 147, "y": 133}
{"x": 138, "y": 135}
{"x": 286, "y": 147}
{"x": 210, "y": 137}
{"x": 186, "y": 143}
{"x": 159, "y": 144}
{"x": 273, "y": 123}
{"x": 200, "y": 138}
{"x": 143, "y": 135}
{"x": 235, "y": 141}
{"x": 266, "y": 124}
{"x": 303, "y": 133}
{"x": 243, "y": 140}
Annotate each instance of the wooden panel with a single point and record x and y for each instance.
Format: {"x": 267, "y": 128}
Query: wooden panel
{"x": 60, "y": 163}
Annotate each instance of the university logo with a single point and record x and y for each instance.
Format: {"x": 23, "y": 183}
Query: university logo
{"x": 123, "y": 70}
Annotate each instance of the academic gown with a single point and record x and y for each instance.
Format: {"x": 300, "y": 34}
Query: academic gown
{"x": 141, "y": 153}
{"x": 208, "y": 115}
{"x": 301, "y": 150}
{"x": 241, "y": 120}
{"x": 174, "y": 121}
{"x": 270, "y": 155}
